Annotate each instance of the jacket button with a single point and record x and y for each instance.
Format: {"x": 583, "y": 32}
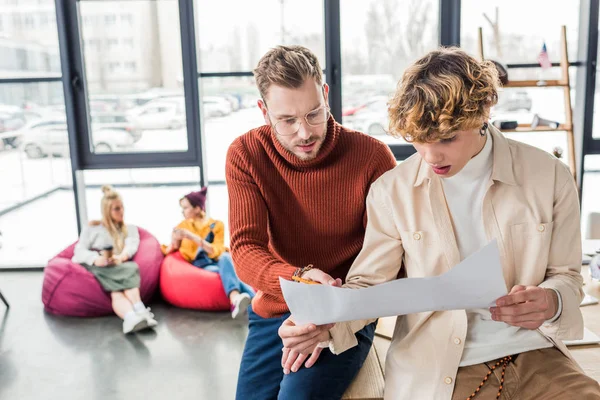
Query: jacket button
{"x": 541, "y": 228}
{"x": 457, "y": 340}
{"x": 448, "y": 380}
{"x": 417, "y": 236}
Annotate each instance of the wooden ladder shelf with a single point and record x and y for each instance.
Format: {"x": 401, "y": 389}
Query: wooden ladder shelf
{"x": 563, "y": 82}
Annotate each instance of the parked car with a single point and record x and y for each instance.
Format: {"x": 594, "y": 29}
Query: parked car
{"x": 117, "y": 121}
{"x": 115, "y": 102}
{"x": 371, "y": 118}
{"x": 32, "y": 111}
{"x": 159, "y": 114}
{"x": 373, "y": 103}
{"x": 54, "y": 140}
{"x": 11, "y": 119}
{"x": 40, "y": 124}
{"x": 138, "y": 99}
{"x": 215, "y": 106}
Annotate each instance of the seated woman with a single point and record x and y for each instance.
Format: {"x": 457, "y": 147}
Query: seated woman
{"x": 467, "y": 185}
{"x": 200, "y": 240}
{"x": 105, "y": 249}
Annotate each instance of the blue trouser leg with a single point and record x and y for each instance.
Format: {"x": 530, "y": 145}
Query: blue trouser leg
{"x": 229, "y": 278}
{"x": 331, "y": 375}
{"x": 260, "y": 371}
{"x": 261, "y": 375}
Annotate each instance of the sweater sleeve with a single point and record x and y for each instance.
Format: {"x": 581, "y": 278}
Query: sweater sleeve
{"x": 218, "y": 243}
{"x": 132, "y": 241}
{"x": 384, "y": 161}
{"x": 248, "y": 219}
{"x": 83, "y": 253}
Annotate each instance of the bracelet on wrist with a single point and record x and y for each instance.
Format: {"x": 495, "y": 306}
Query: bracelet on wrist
{"x": 301, "y": 271}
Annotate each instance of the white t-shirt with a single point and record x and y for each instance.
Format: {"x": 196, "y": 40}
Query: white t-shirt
{"x": 486, "y": 339}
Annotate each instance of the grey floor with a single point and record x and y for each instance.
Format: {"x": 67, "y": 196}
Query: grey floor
{"x": 191, "y": 355}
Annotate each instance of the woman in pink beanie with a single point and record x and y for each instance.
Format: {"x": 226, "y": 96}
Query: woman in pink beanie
{"x": 200, "y": 240}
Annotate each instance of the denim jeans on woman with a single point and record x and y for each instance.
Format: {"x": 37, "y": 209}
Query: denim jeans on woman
{"x": 224, "y": 266}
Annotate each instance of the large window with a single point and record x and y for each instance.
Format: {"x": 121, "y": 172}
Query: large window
{"x": 237, "y": 43}
{"x": 591, "y": 189}
{"x": 157, "y": 90}
{"x": 229, "y": 103}
{"x": 35, "y": 174}
{"x": 379, "y": 39}
{"x": 28, "y": 45}
{"x": 133, "y": 66}
{"x": 514, "y": 30}
{"x": 36, "y": 231}
{"x": 151, "y": 196}
{"x": 230, "y": 110}
{"x": 34, "y": 155}
{"x": 510, "y": 38}
{"x": 35, "y": 168}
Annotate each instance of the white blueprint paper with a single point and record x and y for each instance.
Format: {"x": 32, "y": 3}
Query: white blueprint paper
{"x": 474, "y": 283}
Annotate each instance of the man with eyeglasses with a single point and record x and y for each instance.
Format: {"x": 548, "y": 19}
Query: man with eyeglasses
{"x": 297, "y": 189}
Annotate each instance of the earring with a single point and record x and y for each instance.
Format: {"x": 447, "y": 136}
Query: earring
{"x": 483, "y": 129}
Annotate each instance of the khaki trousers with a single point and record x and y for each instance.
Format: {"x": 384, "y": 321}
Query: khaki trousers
{"x": 536, "y": 375}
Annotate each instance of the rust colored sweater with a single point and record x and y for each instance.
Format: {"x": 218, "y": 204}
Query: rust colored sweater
{"x": 286, "y": 213}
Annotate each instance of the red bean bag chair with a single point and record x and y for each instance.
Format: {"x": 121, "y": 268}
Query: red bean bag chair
{"x": 70, "y": 289}
{"x": 186, "y": 286}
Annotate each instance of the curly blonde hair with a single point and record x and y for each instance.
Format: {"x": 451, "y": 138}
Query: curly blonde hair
{"x": 287, "y": 66}
{"x": 444, "y": 91}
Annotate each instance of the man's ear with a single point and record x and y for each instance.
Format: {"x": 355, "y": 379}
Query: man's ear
{"x": 263, "y": 108}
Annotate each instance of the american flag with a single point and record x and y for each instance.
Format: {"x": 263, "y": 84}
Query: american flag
{"x": 543, "y": 58}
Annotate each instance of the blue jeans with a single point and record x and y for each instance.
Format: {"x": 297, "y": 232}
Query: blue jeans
{"x": 261, "y": 376}
{"x": 224, "y": 266}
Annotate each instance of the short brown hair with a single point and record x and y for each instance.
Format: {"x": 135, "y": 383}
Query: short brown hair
{"x": 287, "y": 66}
{"x": 445, "y": 91}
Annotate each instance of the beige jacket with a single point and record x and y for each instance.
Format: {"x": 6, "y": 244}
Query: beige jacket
{"x": 531, "y": 206}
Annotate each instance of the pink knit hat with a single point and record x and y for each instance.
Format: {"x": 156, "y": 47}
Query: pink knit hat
{"x": 198, "y": 199}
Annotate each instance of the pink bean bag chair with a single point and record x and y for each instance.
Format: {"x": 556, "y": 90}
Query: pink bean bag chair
{"x": 186, "y": 286}
{"x": 70, "y": 289}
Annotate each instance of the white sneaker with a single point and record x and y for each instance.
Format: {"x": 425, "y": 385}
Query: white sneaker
{"x": 134, "y": 323}
{"x": 240, "y": 305}
{"x": 145, "y": 313}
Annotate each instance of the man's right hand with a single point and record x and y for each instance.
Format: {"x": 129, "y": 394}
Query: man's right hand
{"x": 319, "y": 276}
{"x": 101, "y": 261}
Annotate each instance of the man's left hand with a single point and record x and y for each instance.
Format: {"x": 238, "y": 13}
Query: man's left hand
{"x": 526, "y": 306}
{"x": 291, "y": 360}
{"x": 301, "y": 340}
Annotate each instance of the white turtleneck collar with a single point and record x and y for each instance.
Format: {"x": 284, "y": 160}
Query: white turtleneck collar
{"x": 478, "y": 167}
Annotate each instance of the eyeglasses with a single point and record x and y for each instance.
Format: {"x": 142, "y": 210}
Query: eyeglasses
{"x": 290, "y": 126}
